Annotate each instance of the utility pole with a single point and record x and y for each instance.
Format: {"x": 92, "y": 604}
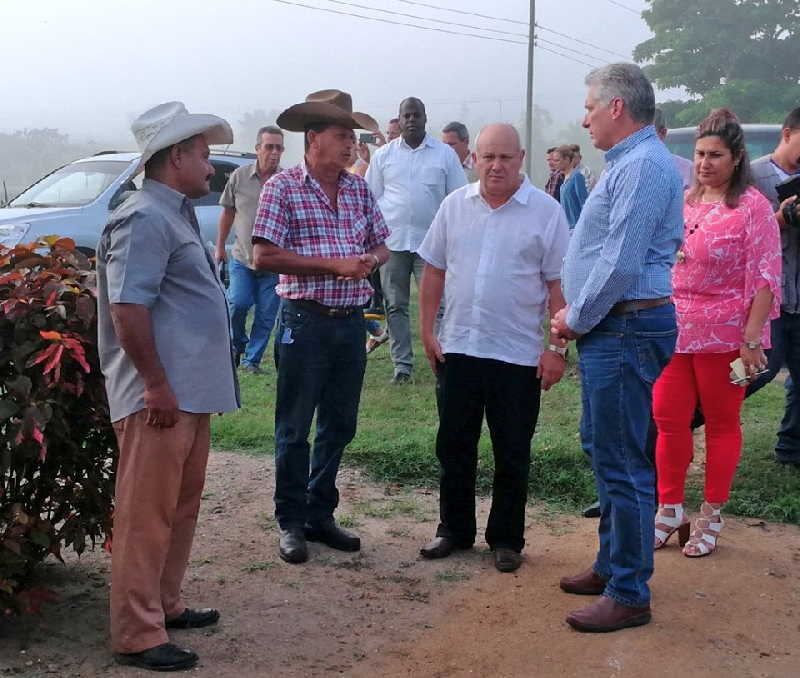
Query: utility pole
{"x": 529, "y": 110}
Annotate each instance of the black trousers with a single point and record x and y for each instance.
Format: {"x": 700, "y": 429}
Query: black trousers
{"x": 509, "y": 395}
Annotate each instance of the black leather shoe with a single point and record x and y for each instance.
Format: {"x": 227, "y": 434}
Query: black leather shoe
{"x": 194, "y": 619}
{"x": 441, "y": 547}
{"x": 592, "y": 511}
{"x": 166, "y": 657}
{"x": 292, "y": 545}
{"x": 400, "y": 378}
{"x": 507, "y": 560}
{"x": 330, "y": 534}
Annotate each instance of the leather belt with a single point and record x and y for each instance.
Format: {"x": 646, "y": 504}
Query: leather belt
{"x": 638, "y": 305}
{"x": 330, "y": 311}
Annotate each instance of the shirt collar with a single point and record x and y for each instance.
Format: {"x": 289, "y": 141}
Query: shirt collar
{"x": 426, "y": 141}
{"x": 468, "y": 163}
{"x": 521, "y": 195}
{"x": 173, "y": 198}
{"x": 630, "y": 142}
{"x": 254, "y": 171}
{"x": 344, "y": 175}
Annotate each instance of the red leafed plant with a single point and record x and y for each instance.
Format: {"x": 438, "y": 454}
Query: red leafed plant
{"x": 57, "y": 447}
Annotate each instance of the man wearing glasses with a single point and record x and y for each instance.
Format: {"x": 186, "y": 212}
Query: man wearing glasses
{"x": 249, "y": 287}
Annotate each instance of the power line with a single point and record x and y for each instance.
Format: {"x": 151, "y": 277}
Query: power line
{"x": 626, "y": 7}
{"x": 443, "y": 30}
{"x": 398, "y": 23}
{"x": 462, "y": 11}
{"x": 513, "y": 21}
{"x": 582, "y": 42}
{"x": 579, "y": 61}
{"x": 423, "y": 18}
{"x": 575, "y": 51}
{"x": 470, "y": 26}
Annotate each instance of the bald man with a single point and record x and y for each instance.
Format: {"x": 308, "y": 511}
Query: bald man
{"x": 495, "y": 249}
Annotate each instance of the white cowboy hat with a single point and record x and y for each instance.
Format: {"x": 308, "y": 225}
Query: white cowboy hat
{"x": 171, "y": 123}
{"x": 327, "y": 105}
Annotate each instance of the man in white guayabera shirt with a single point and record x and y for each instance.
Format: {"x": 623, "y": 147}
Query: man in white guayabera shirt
{"x": 495, "y": 249}
{"x": 410, "y": 177}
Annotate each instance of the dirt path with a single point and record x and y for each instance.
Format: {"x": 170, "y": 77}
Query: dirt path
{"x": 384, "y": 612}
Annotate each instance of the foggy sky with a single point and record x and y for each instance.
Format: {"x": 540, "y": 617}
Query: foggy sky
{"x": 88, "y": 67}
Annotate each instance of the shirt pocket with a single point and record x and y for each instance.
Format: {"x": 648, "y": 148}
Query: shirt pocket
{"x": 433, "y": 178}
{"x": 357, "y": 231}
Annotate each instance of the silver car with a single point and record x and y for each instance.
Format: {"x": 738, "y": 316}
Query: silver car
{"x": 76, "y": 200}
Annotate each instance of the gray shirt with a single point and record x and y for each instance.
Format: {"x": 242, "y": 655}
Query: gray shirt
{"x": 242, "y": 193}
{"x": 151, "y": 253}
{"x": 765, "y": 176}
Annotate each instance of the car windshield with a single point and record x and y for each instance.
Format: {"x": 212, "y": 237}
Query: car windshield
{"x": 760, "y": 142}
{"x": 72, "y": 186}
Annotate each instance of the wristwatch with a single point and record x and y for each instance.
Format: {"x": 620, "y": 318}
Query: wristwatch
{"x": 557, "y": 349}
{"x": 752, "y": 345}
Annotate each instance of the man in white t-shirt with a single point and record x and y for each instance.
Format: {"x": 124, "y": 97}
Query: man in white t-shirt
{"x": 494, "y": 250}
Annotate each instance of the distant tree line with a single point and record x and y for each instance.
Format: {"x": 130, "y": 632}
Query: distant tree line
{"x": 28, "y": 155}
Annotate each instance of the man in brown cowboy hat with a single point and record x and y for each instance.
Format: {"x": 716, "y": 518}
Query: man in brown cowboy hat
{"x": 320, "y": 228}
{"x": 166, "y": 356}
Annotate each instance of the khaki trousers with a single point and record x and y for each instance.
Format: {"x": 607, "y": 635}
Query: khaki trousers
{"x": 159, "y": 483}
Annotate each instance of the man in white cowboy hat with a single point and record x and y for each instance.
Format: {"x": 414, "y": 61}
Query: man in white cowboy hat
{"x": 320, "y": 228}
{"x": 165, "y": 351}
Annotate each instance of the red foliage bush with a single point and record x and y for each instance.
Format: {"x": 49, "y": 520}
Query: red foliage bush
{"x": 57, "y": 447}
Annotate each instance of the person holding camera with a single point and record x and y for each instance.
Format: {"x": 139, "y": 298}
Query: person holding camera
{"x": 726, "y": 287}
{"x": 769, "y": 173}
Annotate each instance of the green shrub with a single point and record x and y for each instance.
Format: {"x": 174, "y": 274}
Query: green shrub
{"x": 57, "y": 447}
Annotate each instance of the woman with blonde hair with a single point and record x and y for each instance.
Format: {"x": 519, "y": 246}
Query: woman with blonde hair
{"x": 573, "y": 190}
{"x": 726, "y": 288}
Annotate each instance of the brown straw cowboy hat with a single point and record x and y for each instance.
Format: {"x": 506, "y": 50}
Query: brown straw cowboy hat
{"x": 327, "y": 105}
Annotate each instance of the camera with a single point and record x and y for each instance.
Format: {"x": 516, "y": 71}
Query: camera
{"x": 790, "y": 214}
{"x": 365, "y": 138}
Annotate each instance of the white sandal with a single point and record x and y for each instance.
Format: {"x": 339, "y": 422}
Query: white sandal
{"x": 705, "y": 532}
{"x": 666, "y": 525}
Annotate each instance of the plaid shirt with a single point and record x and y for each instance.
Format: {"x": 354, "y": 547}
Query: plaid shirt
{"x": 553, "y": 185}
{"x": 296, "y": 215}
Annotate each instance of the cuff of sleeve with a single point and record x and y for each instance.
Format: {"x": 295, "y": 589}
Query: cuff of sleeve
{"x": 574, "y": 322}
{"x": 432, "y": 260}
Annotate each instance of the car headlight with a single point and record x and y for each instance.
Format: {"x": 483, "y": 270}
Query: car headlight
{"x": 12, "y": 234}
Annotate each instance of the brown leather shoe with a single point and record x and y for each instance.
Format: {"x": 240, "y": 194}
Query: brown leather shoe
{"x": 441, "y": 547}
{"x": 606, "y": 614}
{"x": 587, "y": 583}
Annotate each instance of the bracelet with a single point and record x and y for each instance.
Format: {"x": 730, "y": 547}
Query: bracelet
{"x": 557, "y": 349}
{"x": 752, "y": 345}
{"x": 377, "y": 261}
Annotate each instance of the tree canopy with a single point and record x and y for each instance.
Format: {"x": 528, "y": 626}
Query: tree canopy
{"x": 742, "y": 54}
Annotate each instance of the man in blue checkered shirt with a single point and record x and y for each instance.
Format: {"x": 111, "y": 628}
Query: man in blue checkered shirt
{"x": 617, "y": 284}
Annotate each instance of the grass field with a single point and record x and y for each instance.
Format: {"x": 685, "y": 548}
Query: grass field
{"x": 397, "y": 427}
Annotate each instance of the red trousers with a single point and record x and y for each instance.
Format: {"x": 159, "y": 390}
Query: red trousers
{"x": 160, "y": 480}
{"x": 690, "y": 378}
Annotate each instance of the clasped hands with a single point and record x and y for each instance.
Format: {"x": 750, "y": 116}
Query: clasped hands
{"x": 356, "y": 267}
{"x": 560, "y": 332}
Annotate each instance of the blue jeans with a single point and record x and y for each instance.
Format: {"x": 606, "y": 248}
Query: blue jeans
{"x": 785, "y": 335}
{"x": 620, "y": 359}
{"x": 320, "y": 363}
{"x": 249, "y": 288}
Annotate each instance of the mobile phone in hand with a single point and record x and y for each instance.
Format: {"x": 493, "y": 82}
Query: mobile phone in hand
{"x": 366, "y": 138}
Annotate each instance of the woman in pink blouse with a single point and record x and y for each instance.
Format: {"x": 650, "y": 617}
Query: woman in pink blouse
{"x": 726, "y": 287}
